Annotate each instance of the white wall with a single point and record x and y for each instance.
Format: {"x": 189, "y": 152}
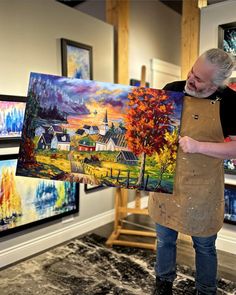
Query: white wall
{"x": 154, "y": 32}
{"x": 211, "y": 17}
{"x": 30, "y": 33}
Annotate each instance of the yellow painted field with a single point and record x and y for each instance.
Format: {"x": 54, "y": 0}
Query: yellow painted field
{"x": 62, "y": 164}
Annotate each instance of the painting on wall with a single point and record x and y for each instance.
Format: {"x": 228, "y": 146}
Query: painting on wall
{"x": 134, "y": 82}
{"x": 227, "y": 37}
{"x": 100, "y": 133}
{"x": 12, "y": 109}
{"x": 90, "y": 188}
{"x": 230, "y": 164}
{"x": 232, "y": 83}
{"x": 76, "y": 60}
{"x": 230, "y": 204}
{"x": 25, "y": 202}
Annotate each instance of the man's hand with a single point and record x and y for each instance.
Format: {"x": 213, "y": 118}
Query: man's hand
{"x": 188, "y": 144}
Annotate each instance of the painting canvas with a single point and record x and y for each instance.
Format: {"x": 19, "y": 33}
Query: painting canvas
{"x": 227, "y": 37}
{"x": 28, "y": 201}
{"x": 76, "y": 60}
{"x": 135, "y": 82}
{"x": 230, "y": 204}
{"x": 232, "y": 83}
{"x": 12, "y": 109}
{"x": 229, "y": 164}
{"x": 100, "y": 133}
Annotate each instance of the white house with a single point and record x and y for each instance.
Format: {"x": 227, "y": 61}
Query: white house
{"x": 61, "y": 142}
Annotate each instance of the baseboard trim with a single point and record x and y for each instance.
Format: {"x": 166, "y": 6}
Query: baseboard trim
{"x": 225, "y": 242}
{"x": 21, "y": 251}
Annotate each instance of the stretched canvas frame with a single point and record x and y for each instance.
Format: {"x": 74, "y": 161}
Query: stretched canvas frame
{"x": 77, "y": 60}
{"x": 230, "y": 204}
{"x": 100, "y": 133}
{"x": 12, "y": 110}
{"x": 27, "y": 202}
{"x": 90, "y": 188}
{"x": 226, "y": 35}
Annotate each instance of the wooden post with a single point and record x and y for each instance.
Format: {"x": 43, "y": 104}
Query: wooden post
{"x": 189, "y": 35}
{"x": 117, "y": 14}
{"x": 121, "y": 211}
{"x": 189, "y": 44}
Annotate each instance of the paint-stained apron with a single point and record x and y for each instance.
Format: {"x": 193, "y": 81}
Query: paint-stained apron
{"x": 196, "y": 206}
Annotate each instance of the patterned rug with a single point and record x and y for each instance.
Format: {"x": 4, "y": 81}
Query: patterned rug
{"x": 85, "y": 266}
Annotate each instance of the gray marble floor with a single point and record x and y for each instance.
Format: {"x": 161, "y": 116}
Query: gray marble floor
{"x": 86, "y": 267}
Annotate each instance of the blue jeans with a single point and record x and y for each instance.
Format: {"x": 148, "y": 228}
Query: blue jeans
{"x": 205, "y": 259}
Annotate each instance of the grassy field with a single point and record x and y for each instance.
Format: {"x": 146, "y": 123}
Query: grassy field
{"x": 106, "y": 170}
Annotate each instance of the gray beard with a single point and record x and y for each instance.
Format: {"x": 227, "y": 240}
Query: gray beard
{"x": 196, "y": 94}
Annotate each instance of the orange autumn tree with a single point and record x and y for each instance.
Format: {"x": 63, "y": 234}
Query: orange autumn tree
{"x": 147, "y": 122}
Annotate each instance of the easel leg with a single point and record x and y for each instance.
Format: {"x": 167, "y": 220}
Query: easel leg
{"x": 121, "y": 211}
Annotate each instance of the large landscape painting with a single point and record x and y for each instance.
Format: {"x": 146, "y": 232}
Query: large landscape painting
{"x": 100, "y": 133}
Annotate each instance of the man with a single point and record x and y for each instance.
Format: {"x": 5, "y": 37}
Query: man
{"x": 196, "y": 207}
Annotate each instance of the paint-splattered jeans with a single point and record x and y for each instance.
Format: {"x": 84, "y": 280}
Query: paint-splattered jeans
{"x": 205, "y": 260}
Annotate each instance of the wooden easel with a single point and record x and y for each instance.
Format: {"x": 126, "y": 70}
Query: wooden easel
{"x": 122, "y": 210}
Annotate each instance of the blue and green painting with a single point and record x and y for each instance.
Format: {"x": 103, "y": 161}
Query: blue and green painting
{"x": 11, "y": 118}
{"x": 25, "y": 200}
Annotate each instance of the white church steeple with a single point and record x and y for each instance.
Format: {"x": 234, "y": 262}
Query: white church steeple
{"x": 104, "y": 127}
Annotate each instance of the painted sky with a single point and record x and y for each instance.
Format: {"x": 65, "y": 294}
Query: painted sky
{"x": 100, "y": 96}
{"x": 10, "y": 105}
{"x": 6, "y": 164}
{"x": 64, "y": 92}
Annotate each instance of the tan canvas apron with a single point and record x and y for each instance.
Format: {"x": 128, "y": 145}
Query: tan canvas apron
{"x": 196, "y": 206}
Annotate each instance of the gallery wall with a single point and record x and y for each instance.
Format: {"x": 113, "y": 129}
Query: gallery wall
{"x": 154, "y": 32}
{"x": 211, "y": 17}
{"x": 30, "y": 32}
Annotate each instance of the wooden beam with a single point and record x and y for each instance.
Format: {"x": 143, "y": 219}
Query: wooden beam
{"x": 117, "y": 14}
{"x": 202, "y": 3}
{"x": 189, "y": 35}
{"x": 190, "y": 29}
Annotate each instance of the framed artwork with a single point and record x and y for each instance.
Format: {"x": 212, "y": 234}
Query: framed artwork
{"x": 230, "y": 164}
{"x": 12, "y": 109}
{"x": 227, "y": 36}
{"x": 100, "y": 133}
{"x": 90, "y": 188}
{"x": 76, "y": 60}
{"x": 232, "y": 83}
{"x": 230, "y": 204}
{"x": 134, "y": 82}
{"x": 26, "y": 202}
